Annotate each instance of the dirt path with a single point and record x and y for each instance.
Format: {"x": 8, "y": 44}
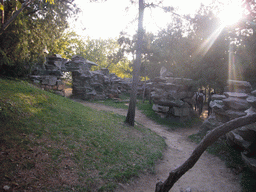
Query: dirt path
{"x": 208, "y": 175}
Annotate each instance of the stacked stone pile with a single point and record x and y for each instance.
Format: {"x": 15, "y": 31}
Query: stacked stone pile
{"x": 86, "y": 84}
{"x": 49, "y": 74}
{"x": 172, "y": 97}
{"x": 236, "y": 102}
{"x": 94, "y": 84}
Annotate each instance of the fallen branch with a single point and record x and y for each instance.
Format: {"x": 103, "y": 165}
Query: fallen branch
{"x": 208, "y": 140}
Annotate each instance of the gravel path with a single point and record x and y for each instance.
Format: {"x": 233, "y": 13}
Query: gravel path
{"x": 208, "y": 175}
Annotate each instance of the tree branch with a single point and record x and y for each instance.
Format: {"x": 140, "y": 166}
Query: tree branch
{"x": 14, "y": 16}
{"x": 208, "y": 140}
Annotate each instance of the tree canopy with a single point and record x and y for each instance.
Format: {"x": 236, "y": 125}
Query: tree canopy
{"x": 35, "y": 28}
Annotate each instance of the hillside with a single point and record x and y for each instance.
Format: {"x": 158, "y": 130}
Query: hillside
{"x": 50, "y": 143}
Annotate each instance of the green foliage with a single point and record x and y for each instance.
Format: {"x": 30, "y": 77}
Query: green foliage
{"x": 101, "y": 147}
{"x": 36, "y": 28}
{"x": 169, "y": 122}
{"x": 106, "y": 53}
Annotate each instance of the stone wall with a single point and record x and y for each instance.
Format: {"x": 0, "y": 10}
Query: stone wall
{"x": 94, "y": 84}
{"x": 49, "y": 74}
{"x": 237, "y": 100}
{"x": 172, "y": 97}
{"x": 86, "y": 84}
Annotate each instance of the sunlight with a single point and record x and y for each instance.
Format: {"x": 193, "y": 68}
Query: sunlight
{"x": 206, "y": 45}
{"x": 231, "y": 63}
{"x": 231, "y": 13}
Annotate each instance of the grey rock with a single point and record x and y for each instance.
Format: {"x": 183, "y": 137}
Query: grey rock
{"x": 238, "y": 86}
{"x": 159, "y": 108}
{"x": 252, "y": 101}
{"x": 180, "y": 112}
{"x": 218, "y": 97}
{"x": 210, "y": 123}
{"x": 253, "y": 93}
{"x": 250, "y": 162}
{"x": 236, "y": 103}
{"x": 217, "y": 104}
{"x": 234, "y": 114}
{"x": 237, "y": 95}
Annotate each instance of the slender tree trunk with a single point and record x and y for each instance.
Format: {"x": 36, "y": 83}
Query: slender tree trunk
{"x": 136, "y": 68}
{"x": 208, "y": 140}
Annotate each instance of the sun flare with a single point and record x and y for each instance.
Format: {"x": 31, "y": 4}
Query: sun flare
{"x": 231, "y": 13}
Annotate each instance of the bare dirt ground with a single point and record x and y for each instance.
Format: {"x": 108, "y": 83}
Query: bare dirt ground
{"x": 208, "y": 175}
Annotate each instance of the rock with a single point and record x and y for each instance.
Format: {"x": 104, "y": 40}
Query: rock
{"x": 253, "y": 93}
{"x": 218, "y": 97}
{"x": 173, "y": 103}
{"x": 159, "y": 108}
{"x": 164, "y": 73}
{"x": 236, "y": 103}
{"x": 252, "y": 101}
{"x": 221, "y": 115}
{"x": 243, "y": 138}
{"x": 237, "y": 141}
{"x": 180, "y": 112}
{"x": 250, "y": 162}
{"x": 210, "y": 123}
{"x": 234, "y": 114}
{"x": 217, "y": 104}
{"x": 237, "y": 95}
{"x": 238, "y": 86}
{"x": 250, "y": 111}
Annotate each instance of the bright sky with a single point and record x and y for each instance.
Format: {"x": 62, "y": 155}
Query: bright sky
{"x": 107, "y": 19}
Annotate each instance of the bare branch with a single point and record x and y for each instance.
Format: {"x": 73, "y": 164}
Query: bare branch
{"x": 208, "y": 140}
{"x": 15, "y": 15}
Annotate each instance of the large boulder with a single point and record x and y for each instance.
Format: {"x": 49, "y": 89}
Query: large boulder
{"x": 236, "y": 103}
{"x": 252, "y": 101}
{"x": 217, "y": 97}
{"x": 238, "y": 86}
{"x": 209, "y": 124}
{"x": 250, "y": 162}
{"x": 243, "y": 138}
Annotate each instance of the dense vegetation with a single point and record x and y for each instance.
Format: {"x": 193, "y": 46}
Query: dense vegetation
{"x": 48, "y": 142}
{"x": 197, "y": 47}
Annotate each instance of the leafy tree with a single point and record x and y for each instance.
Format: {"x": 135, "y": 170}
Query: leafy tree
{"x": 35, "y": 28}
{"x": 246, "y": 48}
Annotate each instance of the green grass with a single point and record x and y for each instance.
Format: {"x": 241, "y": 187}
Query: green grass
{"x": 49, "y": 143}
{"x": 121, "y": 103}
{"x": 172, "y": 123}
{"x": 232, "y": 159}
{"x": 146, "y": 109}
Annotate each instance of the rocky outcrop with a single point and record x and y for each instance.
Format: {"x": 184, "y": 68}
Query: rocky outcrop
{"x": 86, "y": 84}
{"x": 49, "y": 74}
{"x": 172, "y": 97}
{"x": 232, "y": 105}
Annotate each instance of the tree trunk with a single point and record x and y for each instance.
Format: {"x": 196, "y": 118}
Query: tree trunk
{"x": 136, "y": 68}
{"x": 208, "y": 140}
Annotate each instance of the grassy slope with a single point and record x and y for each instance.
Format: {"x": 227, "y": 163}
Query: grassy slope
{"x": 50, "y": 142}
